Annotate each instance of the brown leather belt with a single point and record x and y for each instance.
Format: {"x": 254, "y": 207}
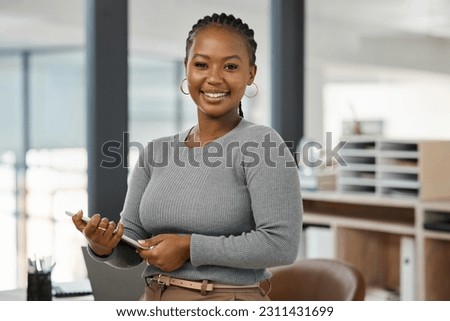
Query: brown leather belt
{"x": 165, "y": 280}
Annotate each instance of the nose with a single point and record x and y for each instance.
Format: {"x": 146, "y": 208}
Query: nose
{"x": 214, "y": 75}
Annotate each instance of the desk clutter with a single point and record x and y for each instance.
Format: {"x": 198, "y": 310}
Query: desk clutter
{"x": 103, "y": 283}
{"x": 40, "y": 279}
{"x": 72, "y": 289}
{"x": 41, "y": 288}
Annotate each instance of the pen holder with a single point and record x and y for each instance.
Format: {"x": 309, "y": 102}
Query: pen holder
{"x": 39, "y": 286}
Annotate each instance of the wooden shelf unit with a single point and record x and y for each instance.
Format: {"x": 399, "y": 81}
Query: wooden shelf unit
{"x": 368, "y": 232}
{"x": 396, "y": 168}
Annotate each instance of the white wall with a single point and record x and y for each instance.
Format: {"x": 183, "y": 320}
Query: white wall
{"x": 415, "y": 65}
{"x": 410, "y": 110}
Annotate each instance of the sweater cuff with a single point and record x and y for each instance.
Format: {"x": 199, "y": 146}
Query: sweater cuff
{"x": 104, "y": 258}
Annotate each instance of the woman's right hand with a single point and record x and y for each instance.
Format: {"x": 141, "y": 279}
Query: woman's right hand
{"x": 101, "y": 234}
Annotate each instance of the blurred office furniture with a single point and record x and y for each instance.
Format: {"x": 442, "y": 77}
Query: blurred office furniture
{"x": 397, "y": 168}
{"x": 317, "y": 280}
{"x": 370, "y": 232}
{"x": 318, "y": 242}
{"x": 114, "y": 284}
{"x": 374, "y": 128}
{"x": 407, "y": 268}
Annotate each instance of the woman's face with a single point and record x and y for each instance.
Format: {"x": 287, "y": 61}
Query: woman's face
{"x": 218, "y": 70}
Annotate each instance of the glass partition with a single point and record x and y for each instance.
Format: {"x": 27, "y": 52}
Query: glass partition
{"x": 10, "y": 145}
{"x": 383, "y": 64}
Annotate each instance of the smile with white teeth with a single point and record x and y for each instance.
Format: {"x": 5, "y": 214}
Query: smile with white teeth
{"x": 215, "y": 95}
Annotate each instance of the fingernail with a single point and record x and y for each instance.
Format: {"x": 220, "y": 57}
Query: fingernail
{"x": 141, "y": 241}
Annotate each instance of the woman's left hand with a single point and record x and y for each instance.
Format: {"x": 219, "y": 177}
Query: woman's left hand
{"x": 167, "y": 252}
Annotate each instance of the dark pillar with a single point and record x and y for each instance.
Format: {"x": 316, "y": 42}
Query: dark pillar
{"x": 107, "y": 93}
{"x": 288, "y": 35}
{"x": 21, "y": 174}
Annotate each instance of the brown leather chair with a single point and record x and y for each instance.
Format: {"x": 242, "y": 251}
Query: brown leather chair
{"x": 317, "y": 280}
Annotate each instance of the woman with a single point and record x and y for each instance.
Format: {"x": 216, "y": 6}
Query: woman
{"x": 217, "y": 204}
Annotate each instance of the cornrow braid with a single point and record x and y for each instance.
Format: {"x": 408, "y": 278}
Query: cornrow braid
{"x": 235, "y": 24}
{"x": 225, "y": 20}
{"x": 241, "y": 113}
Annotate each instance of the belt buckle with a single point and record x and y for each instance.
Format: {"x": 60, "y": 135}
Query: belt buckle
{"x": 158, "y": 280}
{"x": 161, "y": 284}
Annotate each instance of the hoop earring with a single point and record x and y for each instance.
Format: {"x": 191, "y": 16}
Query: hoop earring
{"x": 256, "y": 93}
{"x": 181, "y": 87}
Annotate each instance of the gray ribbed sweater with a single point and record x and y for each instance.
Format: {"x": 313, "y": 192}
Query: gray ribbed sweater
{"x": 241, "y": 207}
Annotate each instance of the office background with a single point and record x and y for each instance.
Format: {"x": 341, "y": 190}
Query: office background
{"x": 381, "y": 61}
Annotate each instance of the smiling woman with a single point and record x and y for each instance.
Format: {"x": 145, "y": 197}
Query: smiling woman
{"x": 220, "y": 63}
{"x": 210, "y": 229}
{"x": 218, "y": 69}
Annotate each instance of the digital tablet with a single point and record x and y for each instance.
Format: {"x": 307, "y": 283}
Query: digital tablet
{"x": 125, "y": 238}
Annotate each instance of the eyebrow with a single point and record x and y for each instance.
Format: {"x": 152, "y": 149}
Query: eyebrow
{"x": 224, "y": 58}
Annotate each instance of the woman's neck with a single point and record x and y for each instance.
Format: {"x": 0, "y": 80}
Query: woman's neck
{"x": 209, "y": 129}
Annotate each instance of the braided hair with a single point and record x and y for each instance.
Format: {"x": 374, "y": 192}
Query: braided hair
{"x": 234, "y": 24}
